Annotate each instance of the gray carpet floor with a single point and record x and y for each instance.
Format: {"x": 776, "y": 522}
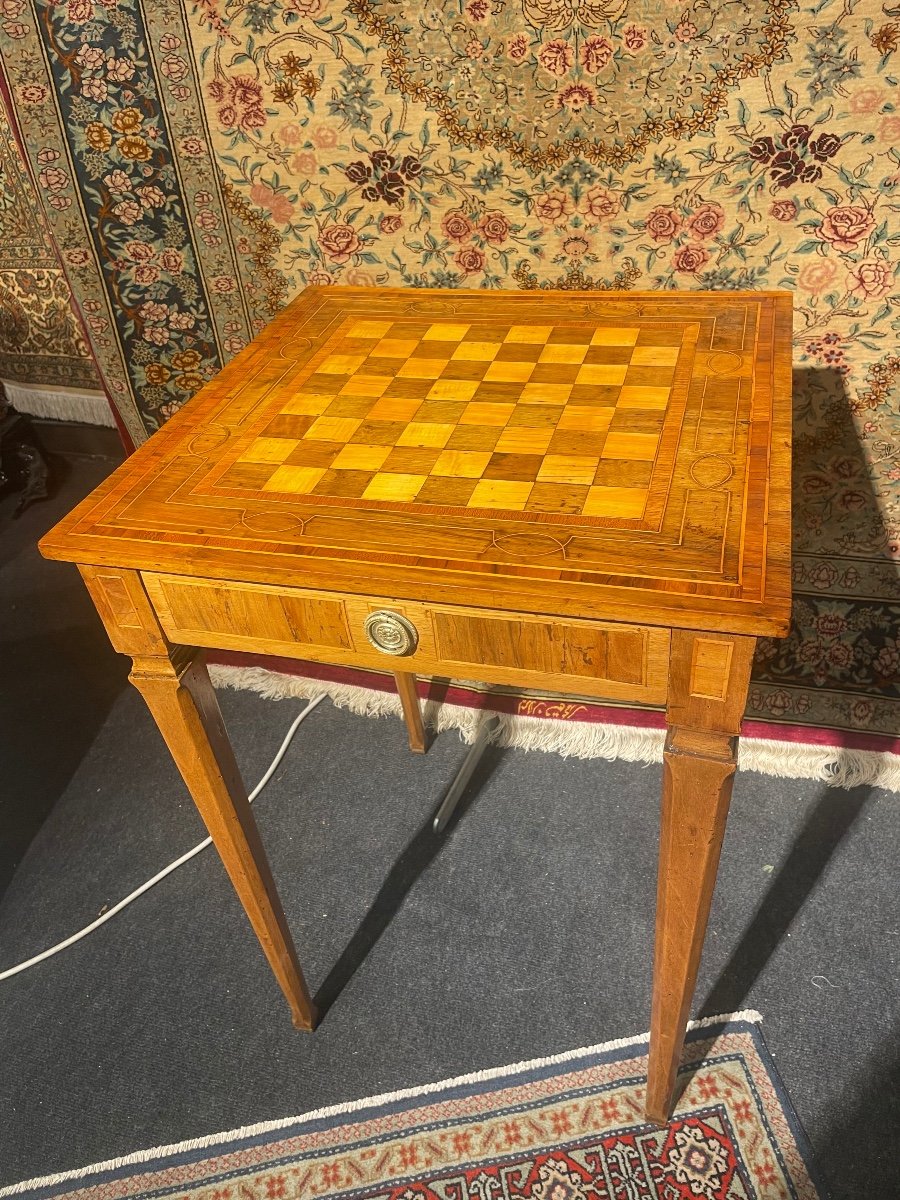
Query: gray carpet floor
{"x": 524, "y": 930}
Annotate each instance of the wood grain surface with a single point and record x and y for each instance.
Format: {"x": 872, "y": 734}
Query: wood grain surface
{"x": 565, "y": 453}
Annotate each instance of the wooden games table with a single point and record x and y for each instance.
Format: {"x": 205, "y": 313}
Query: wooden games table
{"x": 585, "y": 492}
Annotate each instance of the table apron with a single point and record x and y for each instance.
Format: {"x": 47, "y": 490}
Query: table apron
{"x": 603, "y": 659}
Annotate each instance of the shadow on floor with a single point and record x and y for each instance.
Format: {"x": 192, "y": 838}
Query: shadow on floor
{"x": 58, "y": 674}
{"x": 402, "y": 877}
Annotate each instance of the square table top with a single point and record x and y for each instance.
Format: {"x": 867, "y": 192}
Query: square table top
{"x": 594, "y": 454}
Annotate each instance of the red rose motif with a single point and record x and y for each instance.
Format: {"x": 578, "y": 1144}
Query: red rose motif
{"x": 663, "y": 224}
{"x": 140, "y": 251}
{"x": 706, "y": 221}
{"x": 783, "y": 210}
{"x": 172, "y": 261}
{"x": 456, "y": 225}
{"x": 600, "y": 203}
{"x": 53, "y": 179}
{"x": 595, "y": 54}
{"x": 494, "y": 227}
{"x": 634, "y": 37}
{"x": 469, "y": 259}
{"x": 872, "y": 279}
{"x": 80, "y": 11}
{"x": 517, "y": 47}
{"x": 553, "y": 207}
{"x": 845, "y": 226}
{"x": 339, "y": 242}
{"x": 390, "y": 224}
{"x": 689, "y": 259}
{"x": 556, "y": 57}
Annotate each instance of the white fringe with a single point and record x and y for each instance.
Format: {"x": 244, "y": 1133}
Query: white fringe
{"x": 835, "y": 766}
{"x": 60, "y": 403}
{"x": 354, "y": 1106}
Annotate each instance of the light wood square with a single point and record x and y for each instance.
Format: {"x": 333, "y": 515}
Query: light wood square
{"x": 585, "y": 418}
{"x": 394, "y": 348}
{"x": 568, "y": 468}
{"x": 333, "y": 429}
{"x": 530, "y": 334}
{"x": 508, "y": 372}
{"x": 477, "y": 351}
{"x": 298, "y": 480}
{"x": 559, "y": 352}
{"x": 545, "y": 393}
{"x": 306, "y": 405}
{"x": 631, "y": 445}
{"x": 361, "y": 458}
{"x": 615, "y": 502}
{"x": 638, "y": 396}
{"x": 655, "y": 356}
{"x": 500, "y": 493}
{"x": 370, "y": 329}
{"x": 602, "y": 373}
{"x": 389, "y": 486}
{"x": 466, "y": 464}
{"x": 453, "y": 389}
{"x": 614, "y": 337}
{"x": 522, "y": 440}
{"x": 341, "y": 364}
{"x": 366, "y": 385}
{"x": 423, "y": 434}
{"x": 445, "y": 333}
{"x": 422, "y": 368}
{"x": 486, "y": 414}
{"x": 394, "y": 408}
{"x": 268, "y": 450}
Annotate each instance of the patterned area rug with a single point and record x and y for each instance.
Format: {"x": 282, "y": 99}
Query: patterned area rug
{"x": 566, "y": 1128}
{"x": 200, "y": 163}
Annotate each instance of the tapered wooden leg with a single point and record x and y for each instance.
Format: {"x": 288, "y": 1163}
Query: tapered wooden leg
{"x": 184, "y": 706}
{"x": 412, "y": 713}
{"x": 708, "y": 679}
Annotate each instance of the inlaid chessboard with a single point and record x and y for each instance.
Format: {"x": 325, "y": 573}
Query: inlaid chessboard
{"x": 563, "y": 452}
{"x": 528, "y": 418}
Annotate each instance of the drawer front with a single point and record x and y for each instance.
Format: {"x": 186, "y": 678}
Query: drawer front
{"x": 595, "y": 658}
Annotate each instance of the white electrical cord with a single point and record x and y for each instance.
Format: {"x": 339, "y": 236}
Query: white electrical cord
{"x": 145, "y": 887}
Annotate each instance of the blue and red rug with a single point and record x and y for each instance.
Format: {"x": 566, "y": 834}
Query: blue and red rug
{"x": 564, "y": 1128}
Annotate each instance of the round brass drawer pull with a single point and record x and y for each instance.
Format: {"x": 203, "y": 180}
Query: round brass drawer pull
{"x": 391, "y": 633}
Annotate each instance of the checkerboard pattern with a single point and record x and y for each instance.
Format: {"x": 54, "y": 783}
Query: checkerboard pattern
{"x": 523, "y": 418}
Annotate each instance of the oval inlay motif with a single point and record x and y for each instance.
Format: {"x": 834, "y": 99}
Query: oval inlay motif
{"x": 438, "y": 308}
{"x": 711, "y": 471}
{"x": 271, "y": 522}
{"x": 725, "y": 362}
{"x": 208, "y": 439}
{"x": 294, "y": 348}
{"x": 526, "y": 545}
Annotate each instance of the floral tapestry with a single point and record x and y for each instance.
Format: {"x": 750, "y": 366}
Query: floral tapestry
{"x": 200, "y": 164}
{"x": 40, "y": 337}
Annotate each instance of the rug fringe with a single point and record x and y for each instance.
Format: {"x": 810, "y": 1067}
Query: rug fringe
{"x": 60, "y": 403}
{"x": 836, "y": 766}
{"x": 751, "y": 1016}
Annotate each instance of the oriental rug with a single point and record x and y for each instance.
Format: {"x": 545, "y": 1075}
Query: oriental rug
{"x": 569, "y": 1127}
